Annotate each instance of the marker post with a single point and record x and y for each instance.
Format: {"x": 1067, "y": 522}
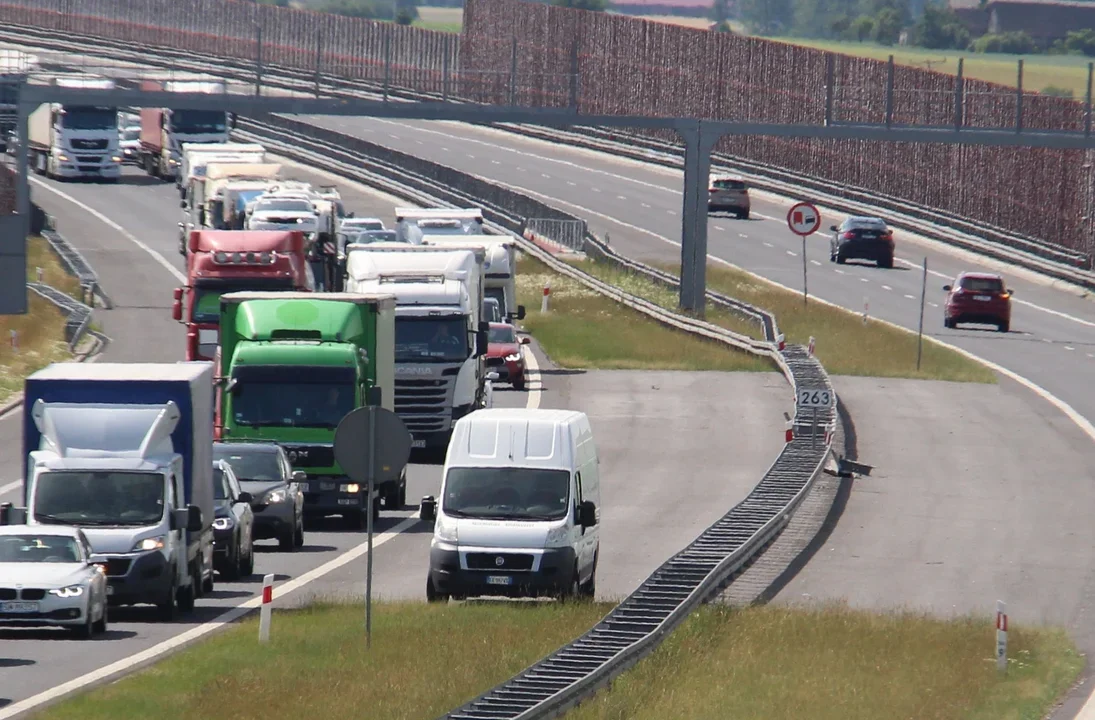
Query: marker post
{"x": 803, "y": 219}
{"x": 1001, "y": 637}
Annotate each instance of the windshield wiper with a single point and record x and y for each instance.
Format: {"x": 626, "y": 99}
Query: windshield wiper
{"x": 52, "y": 519}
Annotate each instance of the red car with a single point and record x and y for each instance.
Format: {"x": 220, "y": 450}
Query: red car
{"x": 978, "y": 298}
{"x": 504, "y": 354}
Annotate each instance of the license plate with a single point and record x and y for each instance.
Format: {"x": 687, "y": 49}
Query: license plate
{"x": 499, "y": 580}
{"x": 327, "y": 486}
{"x": 109, "y": 589}
{"x": 347, "y": 501}
{"x": 418, "y": 443}
{"x": 19, "y": 607}
{"x": 983, "y": 298}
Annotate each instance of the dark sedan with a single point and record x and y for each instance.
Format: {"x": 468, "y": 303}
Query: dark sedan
{"x": 277, "y": 498}
{"x": 233, "y": 525}
{"x": 862, "y": 238}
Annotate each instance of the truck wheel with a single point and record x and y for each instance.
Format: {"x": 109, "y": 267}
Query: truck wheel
{"x": 298, "y": 535}
{"x": 432, "y": 595}
{"x": 519, "y": 385}
{"x": 403, "y": 494}
{"x": 392, "y": 499}
{"x": 166, "y": 607}
{"x": 185, "y": 597}
{"x": 285, "y": 541}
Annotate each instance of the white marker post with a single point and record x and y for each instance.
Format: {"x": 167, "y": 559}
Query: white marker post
{"x": 544, "y": 302}
{"x": 38, "y": 273}
{"x": 15, "y": 341}
{"x": 866, "y": 309}
{"x": 1001, "y": 637}
{"x": 803, "y": 219}
{"x": 810, "y": 347}
{"x": 264, "y": 613}
{"x": 789, "y": 433}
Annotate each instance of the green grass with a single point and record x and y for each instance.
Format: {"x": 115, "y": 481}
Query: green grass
{"x": 425, "y": 660}
{"x": 833, "y": 663}
{"x": 442, "y": 19}
{"x": 1039, "y": 71}
{"x": 41, "y": 256}
{"x": 583, "y": 329}
{"x": 844, "y": 345}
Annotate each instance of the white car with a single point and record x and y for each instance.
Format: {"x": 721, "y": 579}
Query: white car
{"x": 47, "y": 577}
{"x": 129, "y": 144}
{"x": 362, "y": 223}
{"x": 276, "y": 213}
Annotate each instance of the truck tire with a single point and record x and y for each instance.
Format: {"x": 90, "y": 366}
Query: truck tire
{"x": 285, "y": 541}
{"x": 184, "y": 597}
{"x": 395, "y": 497}
{"x": 356, "y": 520}
{"x": 432, "y": 595}
{"x": 166, "y": 608}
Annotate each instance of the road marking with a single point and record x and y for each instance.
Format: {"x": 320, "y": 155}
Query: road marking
{"x": 621, "y": 197}
{"x": 792, "y": 253}
{"x": 909, "y": 296}
{"x": 420, "y": 142}
{"x": 1047, "y": 340}
{"x": 863, "y": 280}
{"x": 545, "y": 175}
{"x": 535, "y": 381}
{"x": 125, "y": 233}
{"x": 495, "y": 162}
{"x": 202, "y": 630}
{"x": 768, "y": 244}
{"x": 743, "y": 235}
{"x": 720, "y": 228}
{"x": 1090, "y": 355}
{"x": 839, "y": 271}
{"x": 596, "y": 189}
{"x": 887, "y": 287}
{"x": 393, "y": 137}
{"x": 445, "y": 149}
{"x": 815, "y": 262}
{"x": 1069, "y": 347}
{"x": 645, "y": 205}
{"x": 471, "y": 156}
{"x": 933, "y": 304}
{"x": 572, "y": 183}
{"x": 5, "y": 489}
{"x": 671, "y": 212}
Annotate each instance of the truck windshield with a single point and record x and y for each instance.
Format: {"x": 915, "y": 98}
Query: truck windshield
{"x": 207, "y": 300}
{"x": 431, "y": 339}
{"x": 99, "y": 498}
{"x": 283, "y": 206}
{"x": 198, "y": 121}
{"x": 292, "y": 396}
{"x": 506, "y": 493}
{"x": 79, "y": 117}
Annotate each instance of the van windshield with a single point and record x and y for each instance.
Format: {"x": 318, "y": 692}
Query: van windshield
{"x": 506, "y": 493}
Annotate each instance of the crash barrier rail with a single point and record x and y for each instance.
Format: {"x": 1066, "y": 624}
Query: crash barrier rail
{"x": 613, "y": 64}
{"x": 569, "y": 233}
{"x": 1025, "y": 250}
{"x": 75, "y": 264}
{"x": 691, "y": 577}
{"x": 79, "y": 314}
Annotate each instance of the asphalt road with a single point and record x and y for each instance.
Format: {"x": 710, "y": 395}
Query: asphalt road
{"x": 629, "y": 411}
{"x": 1052, "y": 338}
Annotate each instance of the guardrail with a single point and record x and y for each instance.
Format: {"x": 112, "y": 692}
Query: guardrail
{"x": 79, "y": 315}
{"x": 1052, "y": 260}
{"x": 694, "y": 575}
{"x": 76, "y": 265}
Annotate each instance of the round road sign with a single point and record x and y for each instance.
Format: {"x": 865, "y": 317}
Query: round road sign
{"x": 803, "y": 219}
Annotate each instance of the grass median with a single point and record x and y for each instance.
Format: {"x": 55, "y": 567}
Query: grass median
{"x": 583, "y": 329}
{"x": 844, "y": 344}
{"x": 836, "y": 663}
{"x": 39, "y": 335}
{"x": 425, "y": 660}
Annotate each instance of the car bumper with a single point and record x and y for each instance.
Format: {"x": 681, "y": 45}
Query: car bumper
{"x": 508, "y": 372}
{"x": 553, "y": 576}
{"x": 329, "y": 502}
{"x": 728, "y": 205}
{"x": 50, "y": 610}
{"x": 272, "y": 521}
{"x": 70, "y": 170}
{"x": 136, "y": 578}
{"x": 865, "y": 250}
{"x": 978, "y": 314}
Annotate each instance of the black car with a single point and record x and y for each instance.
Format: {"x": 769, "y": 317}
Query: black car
{"x": 862, "y": 238}
{"x": 233, "y": 525}
{"x": 277, "y": 500}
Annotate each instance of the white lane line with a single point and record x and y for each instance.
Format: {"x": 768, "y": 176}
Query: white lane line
{"x": 202, "y": 630}
{"x": 1069, "y": 347}
{"x": 535, "y": 381}
{"x": 420, "y": 142}
{"x": 393, "y": 137}
{"x": 792, "y": 253}
{"x": 115, "y": 226}
{"x": 863, "y": 280}
{"x": 472, "y": 157}
{"x": 909, "y": 296}
{"x": 838, "y": 271}
{"x": 1047, "y": 340}
{"x": 572, "y": 183}
{"x": 1017, "y": 301}
{"x": 5, "y": 489}
{"x": 887, "y": 287}
{"x": 768, "y": 244}
{"x": 445, "y": 149}
{"x": 815, "y": 262}
{"x": 596, "y": 189}
{"x": 720, "y": 228}
{"x": 621, "y": 197}
{"x": 934, "y": 304}
{"x": 545, "y": 175}
{"x": 1090, "y": 355}
{"x": 495, "y": 162}
{"x": 671, "y": 212}
{"x": 646, "y": 205}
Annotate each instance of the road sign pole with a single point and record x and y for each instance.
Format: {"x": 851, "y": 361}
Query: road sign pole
{"x": 805, "y": 294}
{"x": 923, "y": 298}
{"x": 804, "y": 220}
{"x": 369, "y": 528}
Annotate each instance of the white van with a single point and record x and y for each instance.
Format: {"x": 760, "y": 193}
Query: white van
{"x": 518, "y": 514}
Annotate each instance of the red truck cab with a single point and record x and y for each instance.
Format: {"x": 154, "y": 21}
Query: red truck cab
{"x": 225, "y": 261}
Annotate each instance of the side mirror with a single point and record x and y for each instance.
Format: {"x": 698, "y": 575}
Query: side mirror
{"x": 587, "y": 514}
{"x": 194, "y": 519}
{"x": 11, "y": 515}
{"x": 482, "y": 339}
{"x": 245, "y": 497}
{"x": 834, "y": 228}
{"x": 427, "y": 510}
{"x": 230, "y": 386}
{"x": 299, "y": 476}
{"x": 492, "y": 376}
{"x": 182, "y": 204}
{"x": 525, "y": 340}
{"x": 520, "y": 312}
{"x": 1009, "y": 291}
{"x": 947, "y": 288}
{"x": 176, "y": 310}
{"x": 232, "y": 121}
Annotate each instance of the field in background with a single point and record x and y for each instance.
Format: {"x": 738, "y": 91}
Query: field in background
{"x": 425, "y": 660}
{"x": 834, "y": 663}
{"x": 444, "y": 19}
{"x": 1039, "y": 71}
{"x": 41, "y": 332}
{"x": 585, "y": 330}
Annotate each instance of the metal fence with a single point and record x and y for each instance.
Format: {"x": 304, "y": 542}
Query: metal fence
{"x": 569, "y": 233}
{"x": 533, "y": 54}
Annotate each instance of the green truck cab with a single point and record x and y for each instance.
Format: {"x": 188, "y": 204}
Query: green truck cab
{"x": 291, "y": 365}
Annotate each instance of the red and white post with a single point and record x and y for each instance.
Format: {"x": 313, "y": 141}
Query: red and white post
{"x": 15, "y": 341}
{"x": 810, "y": 347}
{"x": 781, "y": 342}
{"x": 544, "y": 302}
{"x": 1001, "y": 637}
{"x": 866, "y": 309}
{"x": 789, "y": 432}
{"x": 264, "y": 613}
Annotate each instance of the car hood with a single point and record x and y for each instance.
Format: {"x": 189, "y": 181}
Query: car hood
{"x": 258, "y": 488}
{"x": 117, "y": 540}
{"x": 502, "y": 349}
{"x": 43, "y": 575}
{"x": 522, "y": 534}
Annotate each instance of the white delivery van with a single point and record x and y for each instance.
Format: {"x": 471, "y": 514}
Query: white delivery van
{"x": 518, "y": 514}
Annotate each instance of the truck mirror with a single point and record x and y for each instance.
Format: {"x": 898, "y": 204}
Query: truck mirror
{"x": 245, "y": 497}
{"x": 587, "y": 514}
{"x": 230, "y": 385}
{"x": 300, "y": 476}
{"x": 176, "y": 310}
{"x": 520, "y": 312}
{"x": 182, "y": 204}
{"x": 374, "y": 396}
{"x": 194, "y": 519}
{"x": 232, "y": 120}
{"x": 481, "y": 342}
{"x": 484, "y": 326}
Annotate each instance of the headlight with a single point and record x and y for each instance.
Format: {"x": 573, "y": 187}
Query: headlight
{"x": 275, "y": 496}
{"x": 62, "y": 157}
{"x": 223, "y": 523}
{"x": 351, "y": 488}
{"x": 68, "y": 592}
{"x": 516, "y": 357}
{"x": 446, "y": 530}
{"x": 151, "y": 543}
{"x": 557, "y": 536}
{"x": 115, "y": 158}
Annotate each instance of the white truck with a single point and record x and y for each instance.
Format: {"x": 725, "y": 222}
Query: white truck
{"x": 76, "y": 141}
{"x": 440, "y": 337}
{"x": 195, "y": 156}
{"x": 412, "y": 223}
{"x": 230, "y": 186}
{"x": 194, "y": 199}
{"x": 499, "y": 268}
{"x": 165, "y": 130}
{"x": 124, "y": 451}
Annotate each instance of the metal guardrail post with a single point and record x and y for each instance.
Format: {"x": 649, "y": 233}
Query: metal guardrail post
{"x": 575, "y": 73}
{"x": 1019, "y": 98}
{"x": 513, "y": 73}
{"x": 889, "y": 91}
{"x": 258, "y": 59}
{"x": 319, "y": 60}
{"x": 445, "y": 70}
{"x": 959, "y": 95}
{"x": 387, "y": 63}
{"x": 830, "y": 90}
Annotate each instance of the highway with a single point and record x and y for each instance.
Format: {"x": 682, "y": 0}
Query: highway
{"x": 646, "y": 515}
{"x": 1052, "y": 338}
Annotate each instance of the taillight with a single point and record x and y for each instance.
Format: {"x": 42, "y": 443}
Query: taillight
{"x": 848, "y": 236}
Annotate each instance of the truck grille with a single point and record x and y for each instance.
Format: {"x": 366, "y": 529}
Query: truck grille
{"x": 88, "y": 159}
{"x": 489, "y": 561}
{"x": 424, "y": 405}
{"x": 309, "y": 456}
{"x": 117, "y": 566}
{"x": 90, "y": 144}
